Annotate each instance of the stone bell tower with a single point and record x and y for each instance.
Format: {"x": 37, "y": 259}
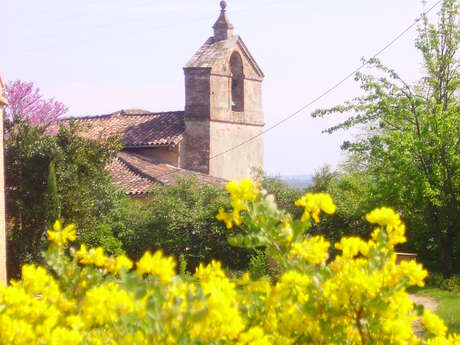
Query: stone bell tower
{"x": 223, "y": 106}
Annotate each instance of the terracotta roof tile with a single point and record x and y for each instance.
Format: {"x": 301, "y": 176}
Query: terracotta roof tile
{"x": 139, "y": 128}
{"x": 137, "y": 174}
{"x": 128, "y": 180}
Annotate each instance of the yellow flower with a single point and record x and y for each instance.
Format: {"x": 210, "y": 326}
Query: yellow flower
{"x": 105, "y": 304}
{"x": 61, "y": 236}
{"x": 295, "y": 285}
{"x": 351, "y": 246}
{"x": 225, "y": 217}
{"x": 118, "y": 264}
{"x": 95, "y": 256}
{"x": 396, "y": 234}
{"x": 286, "y": 230}
{"x": 82, "y": 252}
{"x": 246, "y": 190}
{"x": 433, "y": 323}
{"x": 314, "y": 203}
{"x": 157, "y": 265}
{"x": 384, "y": 216}
{"x": 240, "y": 194}
{"x": 222, "y": 319}
{"x": 61, "y": 335}
{"x": 414, "y": 272}
{"x": 254, "y": 336}
{"x": 314, "y": 250}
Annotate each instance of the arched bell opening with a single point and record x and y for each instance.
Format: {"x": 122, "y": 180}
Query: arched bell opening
{"x": 236, "y": 68}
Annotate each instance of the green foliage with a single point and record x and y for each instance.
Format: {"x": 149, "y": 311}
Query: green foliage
{"x": 84, "y": 296}
{"x": 50, "y": 177}
{"x": 258, "y": 264}
{"x": 451, "y": 284}
{"x": 285, "y": 196}
{"x": 449, "y": 306}
{"x": 410, "y": 147}
{"x": 53, "y": 207}
{"x": 434, "y": 279}
{"x": 102, "y": 236}
{"x": 180, "y": 219}
{"x": 182, "y": 265}
{"x": 351, "y": 188}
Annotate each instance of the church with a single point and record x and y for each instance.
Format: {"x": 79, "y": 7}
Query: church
{"x": 223, "y": 109}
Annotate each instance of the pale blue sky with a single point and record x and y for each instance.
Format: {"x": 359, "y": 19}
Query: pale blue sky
{"x": 98, "y": 56}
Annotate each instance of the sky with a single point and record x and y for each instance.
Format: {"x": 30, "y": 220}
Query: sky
{"x": 100, "y": 56}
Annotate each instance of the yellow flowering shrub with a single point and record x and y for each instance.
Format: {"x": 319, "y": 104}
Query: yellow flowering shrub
{"x": 358, "y": 297}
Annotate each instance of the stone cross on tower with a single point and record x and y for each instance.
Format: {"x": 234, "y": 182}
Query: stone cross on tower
{"x": 3, "y": 102}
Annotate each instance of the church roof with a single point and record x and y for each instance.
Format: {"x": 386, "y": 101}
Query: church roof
{"x": 138, "y": 128}
{"x": 213, "y": 51}
{"x": 137, "y": 174}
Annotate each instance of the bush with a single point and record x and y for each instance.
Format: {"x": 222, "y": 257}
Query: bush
{"x": 258, "y": 264}
{"x": 51, "y": 177}
{"x": 180, "y": 219}
{"x": 434, "y": 279}
{"x": 451, "y": 284}
{"x": 359, "y": 297}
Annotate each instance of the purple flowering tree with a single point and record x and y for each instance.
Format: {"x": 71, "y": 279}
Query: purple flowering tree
{"x": 26, "y": 102}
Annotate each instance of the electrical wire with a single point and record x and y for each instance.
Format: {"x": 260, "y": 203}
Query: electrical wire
{"x": 322, "y": 95}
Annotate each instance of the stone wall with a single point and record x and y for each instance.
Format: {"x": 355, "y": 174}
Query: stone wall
{"x": 211, "y": 125}
{"x": 195, "y": 149}
{"x": 3, "y": 278}
{"x": 237, "y": 163}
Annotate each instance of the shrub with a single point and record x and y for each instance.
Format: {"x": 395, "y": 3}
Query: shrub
{"x": 180, "y": 219}
{"x": 434, "y": 279}
{"x": 258, "y": 264}
{"x": 452, "y": 283}
{"x": 357, "y": 298}
{"x": 51, "y": 177}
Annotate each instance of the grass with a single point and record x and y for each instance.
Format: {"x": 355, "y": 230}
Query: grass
{"x": 449, "y": 306}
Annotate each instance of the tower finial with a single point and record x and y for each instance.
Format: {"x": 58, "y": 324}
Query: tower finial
{"x": 223, "y": 29}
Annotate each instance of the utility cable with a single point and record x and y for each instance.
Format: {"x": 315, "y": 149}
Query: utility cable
{"x": 325, "y": 93}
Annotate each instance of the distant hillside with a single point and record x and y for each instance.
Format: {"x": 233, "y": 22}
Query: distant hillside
{"x": 297, "y": 181}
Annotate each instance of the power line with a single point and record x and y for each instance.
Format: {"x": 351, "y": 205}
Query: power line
{"x": 332, "y": 88}
{"x": 325, "y": 93}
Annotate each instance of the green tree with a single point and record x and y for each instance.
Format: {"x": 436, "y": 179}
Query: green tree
{"x": 411, "y": 147}
{"x": 181, "y": 220}
{"x": 53, "y": 206}
{"x": 50, "y": 177}
{"x": 354, "y": 189}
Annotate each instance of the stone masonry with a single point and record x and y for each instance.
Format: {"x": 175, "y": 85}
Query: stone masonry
{"x": 223, "y": 106}
{"x": 217, "y": 137}
{"x": 3, "y": 102}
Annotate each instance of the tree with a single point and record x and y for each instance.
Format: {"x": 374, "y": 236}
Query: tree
{"x": 26, "y": 101}
{"x": 354, "y": 189}
{"x": 412, "y": 141}
{"x": 52, "y": 203}
{"x": 53, "y": 176}
{"x": 181, "y": 220}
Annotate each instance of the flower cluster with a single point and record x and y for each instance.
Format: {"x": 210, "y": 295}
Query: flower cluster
{"x": 314, "y": 204}
{"x": 157, "y": 265}
{"x": 61, "y": 236}
{"x": 240, "y": 194}
{"x": 358, "y": 297}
